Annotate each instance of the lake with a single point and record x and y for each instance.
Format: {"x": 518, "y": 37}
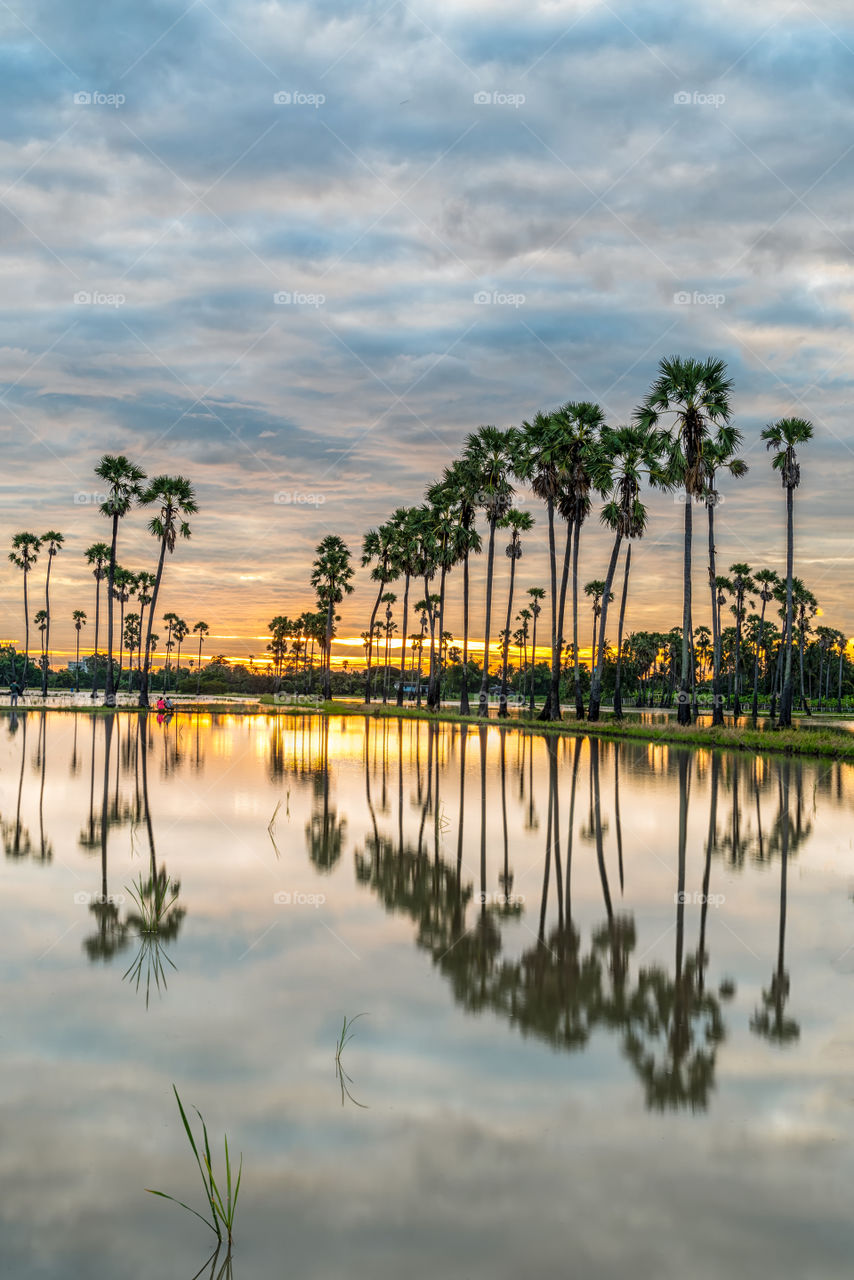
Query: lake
{"x": 605, "y": 994}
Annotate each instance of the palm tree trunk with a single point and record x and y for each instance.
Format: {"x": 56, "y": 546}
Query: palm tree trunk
{"x": 683, "y": 712}
{"x": 579, "y": 700}
{"x": 371, "y": 642}
{"x": 464, "y": 692}
{"x": 557, "y": 663}
{"x": 546, "y": 712}
{"x": 755, "y": 708}
{"x": 483, "y": 708}
{"x": 46, "y": 624}
{"x": 502, "y": 705}
{"x": 143, "y": 688}
{"x": 77, "y": 666}
{"x": 109, "y": 693}
{"x": 839, "y": 683}
{"x": 786, "y": 699}
{"x": 26, "y": 633}
{"x": 95, "y": 652}
{"x": 596, "y": 682}
{"x": 399, "y": 698}
{"x": 618, "y": 699}
{"x": 533, "y": 661}
{"x": 434, "y": 692}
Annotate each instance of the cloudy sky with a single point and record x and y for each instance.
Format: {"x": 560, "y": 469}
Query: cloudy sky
{"x": 297, "y": 251}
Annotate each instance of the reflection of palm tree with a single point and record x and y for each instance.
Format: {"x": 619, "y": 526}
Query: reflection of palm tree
{"x": 324, "y": 831}
{"x": 16, "y": 838}
{"x": 45, "y": 847}
{"x": 111, "y": 934}
{"x": 771, "y": 1021}
{"x": 673, "y": 1027}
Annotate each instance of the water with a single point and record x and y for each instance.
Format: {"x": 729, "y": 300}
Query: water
{"x": 634, "y": 1053}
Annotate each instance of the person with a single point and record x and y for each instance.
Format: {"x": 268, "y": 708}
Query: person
{"x": 169, "y": 705}
{"x": 15, "y": 692}
{"x": 161, "y": 705}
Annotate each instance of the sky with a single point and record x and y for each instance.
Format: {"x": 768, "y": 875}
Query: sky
{"x": 297, "y": 252}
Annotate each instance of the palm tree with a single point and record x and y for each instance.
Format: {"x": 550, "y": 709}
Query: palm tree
{"x": 719, "y": 454}
{"x": 79, "y": 619}
{"x": 406, "y": 552}
{"x": 596, "y": 591}
{"x": 175, "y": 497}
{"x": 388, "y": 599}
{"x": 40, "y": 620}
{"x": 132, "y": 635}
{"x": 743, "y": 585}
{"x": 518, "y": 522}
{"x": 377, "y": 549}
{"x": 124, "y": 487}
{"x": 488, "y": 454}
{"x": 785, "y": 437}
{"x": 201, "y": 629}
{"x": 805, "y": 607}
{"x": 24, "y": 554}
{"x": 170, "y": 619}
{"x": 97, "y": 556}
{"x": 52, "y": 543}
{"x": 537, "y": 594}
{"x": 697, "y": 393}
{"x": 144, "y": 587}
{"x": 180, "y": 632}
{"x": 625, "y": 455}
{"x": 766, "y": 580}
{"x": 330, "y": 577}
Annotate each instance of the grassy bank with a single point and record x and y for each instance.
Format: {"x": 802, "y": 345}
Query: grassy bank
{"x": 824, "y": 742}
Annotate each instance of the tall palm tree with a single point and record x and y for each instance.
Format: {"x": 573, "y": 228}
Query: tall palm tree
{"x": 719, "y": 454}
{"x": 180, "y": 632}
{"x": 518, "y": 522}
{"x": 132, "y": 635}
{"x": 24, "y": 554}
{"x": 331, "y": 578}
{"x": 97, "y": 556}
{"x": 625, "y": 456}
{"x": 52, "y": 543}
{"x": 201, "y": 629}
{"x": 124, "y": 487}
{"x": 696, "y": 393}
{"x": 488, "y": 454}
{"x": 596, "y": 591}
{"x": 537, "y": 594}
{"x": 175, "y": 498}
{"x": 144, "y": 587}
{"x": 785, "y": 437}
{"x": 79, "y": 619}
{"x": 378, "y": 550}
{"x": 766, "y": 580}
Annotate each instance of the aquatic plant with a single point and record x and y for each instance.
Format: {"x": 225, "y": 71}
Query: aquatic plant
{"x": 222, "y": 1208}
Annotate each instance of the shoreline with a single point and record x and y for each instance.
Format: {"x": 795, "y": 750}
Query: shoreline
{"x": 824, "y": 741}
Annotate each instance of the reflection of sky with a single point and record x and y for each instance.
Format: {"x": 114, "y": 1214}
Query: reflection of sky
{"x": 482, "y": 1150}
{"x": 600, "y": 198}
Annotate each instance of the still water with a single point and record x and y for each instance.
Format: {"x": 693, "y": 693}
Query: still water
{"x": 607, "y": 993}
